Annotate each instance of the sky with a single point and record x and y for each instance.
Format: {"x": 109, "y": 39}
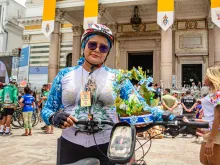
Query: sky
{"x": 21, "y": 2}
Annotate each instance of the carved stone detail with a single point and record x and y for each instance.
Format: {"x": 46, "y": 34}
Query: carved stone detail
{"x": 101, "y": 10}
{"x": 77, "y": 30}
{"x": 211, "y": 25}
{"x": 26, "y": 38}
{"x": 59, "y": 15}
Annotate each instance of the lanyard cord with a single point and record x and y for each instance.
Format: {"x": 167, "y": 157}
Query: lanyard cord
{"x": 83, "y": 88}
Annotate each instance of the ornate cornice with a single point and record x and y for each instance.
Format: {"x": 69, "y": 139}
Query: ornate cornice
{"x": 26, "y": 38}
{"x": 30, "y": 21}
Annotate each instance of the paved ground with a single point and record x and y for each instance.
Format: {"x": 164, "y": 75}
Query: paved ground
{"x": 40, "y": 149}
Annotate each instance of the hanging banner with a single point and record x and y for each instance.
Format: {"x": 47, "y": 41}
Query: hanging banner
{"x": 48, "y": 17}
{"x": 215, "y": 12}
{"x": 90, "y": 13}
{"x": 23, "y": 69}
{"x": 165, "y": 13}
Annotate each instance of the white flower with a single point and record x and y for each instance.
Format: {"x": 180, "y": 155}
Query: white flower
{"x": 123, "y": 106}
{"x": 134, "y": 98}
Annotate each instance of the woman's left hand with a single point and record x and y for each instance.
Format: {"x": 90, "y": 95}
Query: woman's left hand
{"x": 209, "y": 148}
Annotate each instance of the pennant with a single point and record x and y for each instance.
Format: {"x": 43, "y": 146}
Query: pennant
{"x": 165, "y": 13}
{"x": 215, "y": 12}
{"x": 48, "y": 17}
{"x": 90, "y": 13}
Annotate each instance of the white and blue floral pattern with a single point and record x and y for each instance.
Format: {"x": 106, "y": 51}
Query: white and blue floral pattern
{"x": 54, "y": 102}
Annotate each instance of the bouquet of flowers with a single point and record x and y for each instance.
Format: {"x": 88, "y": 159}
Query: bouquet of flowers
{"x": 132, "y": 105}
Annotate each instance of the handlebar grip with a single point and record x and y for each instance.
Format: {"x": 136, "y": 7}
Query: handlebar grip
{"x": 197, "y": 124}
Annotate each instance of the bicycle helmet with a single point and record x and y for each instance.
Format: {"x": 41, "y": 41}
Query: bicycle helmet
{"x": 98, "y": 29}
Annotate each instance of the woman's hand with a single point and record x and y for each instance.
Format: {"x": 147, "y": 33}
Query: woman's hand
{"x": 62, "y": 120}
{"x": 209, "y": 147}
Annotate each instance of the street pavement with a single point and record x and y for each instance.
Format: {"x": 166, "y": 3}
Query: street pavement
{"x": 40, "y": 149}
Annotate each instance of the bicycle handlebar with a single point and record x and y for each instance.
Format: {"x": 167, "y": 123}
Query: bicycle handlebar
{"x": 190, "y": 124}
{"x": 176, "y": 123}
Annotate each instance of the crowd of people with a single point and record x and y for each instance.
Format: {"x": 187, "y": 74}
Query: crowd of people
{"x": 13, "y": 98}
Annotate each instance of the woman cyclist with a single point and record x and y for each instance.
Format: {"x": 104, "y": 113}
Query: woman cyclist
{"x": 73, "y": 86}
{"x": 210, "y": 148}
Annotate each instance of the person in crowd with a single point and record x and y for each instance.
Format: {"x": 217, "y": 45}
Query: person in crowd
{"x": 199, "y": 85}
{"x": 169, "y": 102}
{"x": 27, "y": 103}
{"x": 49, "y": 128}
{"x": 210, "y": 148}
{"x": 187, "y": 102}
{"x": 178, "y": 110}
{"x": 1, "y": 112}
{"x": 193, "y": 87}
{"x": 40, "y": 105}
{"x": 9, "y": 100}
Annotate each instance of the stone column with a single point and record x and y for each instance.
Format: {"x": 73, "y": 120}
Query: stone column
{"x": 110, "y": 62}
{"x": 166, "y": 57}
{"x": 76, "y": 52}
{"x": 117, "y": 55}
{"x": 54, "y": 53}
{"x": 216, "y": 31}
{"x": 157, "y": 60}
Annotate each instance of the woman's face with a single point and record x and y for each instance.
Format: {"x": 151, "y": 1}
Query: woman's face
{"x": 96, "y": 49}
{"x": 208, "y": 82}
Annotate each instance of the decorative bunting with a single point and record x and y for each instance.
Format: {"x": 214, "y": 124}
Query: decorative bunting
{"x": 90, "y": 13}
{"x": 215, "y": 12}
{"x": 48, "y": 17}
{"x": 165, "y": 13}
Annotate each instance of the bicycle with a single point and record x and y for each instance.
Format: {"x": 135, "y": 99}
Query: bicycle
{"x": 17, "y": 120}
{"x": 128, "y": 158}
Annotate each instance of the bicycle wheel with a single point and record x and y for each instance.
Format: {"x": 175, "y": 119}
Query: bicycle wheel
{"x": 34, "y": 119}
{"x": 17, "y": 119}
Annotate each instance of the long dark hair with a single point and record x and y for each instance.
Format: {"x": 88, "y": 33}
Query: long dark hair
{"x": 27, "y": 90}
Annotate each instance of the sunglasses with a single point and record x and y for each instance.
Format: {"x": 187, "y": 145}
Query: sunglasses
{"x": 92, "y": 45}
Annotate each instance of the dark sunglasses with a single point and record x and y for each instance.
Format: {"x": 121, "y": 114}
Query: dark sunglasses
{"x": 92, "y": 45}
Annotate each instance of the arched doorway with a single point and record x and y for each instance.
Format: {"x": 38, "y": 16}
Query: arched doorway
{"x": 69, "y": 60}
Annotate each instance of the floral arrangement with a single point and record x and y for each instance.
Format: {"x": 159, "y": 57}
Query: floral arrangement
{"x": 133, "y": 106}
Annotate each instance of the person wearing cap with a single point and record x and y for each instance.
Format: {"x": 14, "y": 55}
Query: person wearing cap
{"x": 9, "y": 99}
{"x": 89, "y": 79}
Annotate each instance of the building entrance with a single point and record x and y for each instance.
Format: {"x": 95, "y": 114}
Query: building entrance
{"x": 144, "y": 60}
{"x": 191, "y": 73}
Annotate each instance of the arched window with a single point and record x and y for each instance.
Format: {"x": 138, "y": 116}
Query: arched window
{"x": 69, "y": 60}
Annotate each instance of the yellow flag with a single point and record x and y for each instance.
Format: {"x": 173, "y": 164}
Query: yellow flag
{"x": 48, "y": 17}
{"x": 90, "y": 13}
{"x": 165, "y": 13}
{"x": 215, "y": 12}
